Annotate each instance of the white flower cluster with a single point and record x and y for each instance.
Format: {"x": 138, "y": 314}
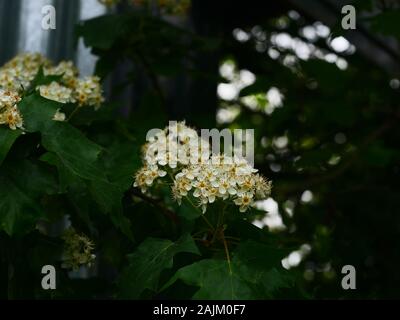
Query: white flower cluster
{"x": 9, "y": 113}
{"x": 176, "y": 145}
{"x": 207, "y": 179}
{"x": 18, "y": 73}
{"x": 56, "y": 92}
{"x": 88, "y": 92}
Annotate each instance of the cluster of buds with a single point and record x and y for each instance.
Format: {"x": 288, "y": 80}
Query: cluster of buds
{"x": 183, "y": 157}
{"x": 78, "y": 250}
{"x": 17, "y": 75}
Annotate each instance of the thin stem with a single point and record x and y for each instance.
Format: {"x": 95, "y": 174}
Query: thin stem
{"x": 207, "y": 221}
{"x": 219, "y": 222}
{"x": 226, "y": 252}
{"x": 233, "y": 238}
{"x": 73, "y": 113}
{"x": 170, "y": 214}
{"x": 200, "y": 232}
{"x": 171, "y": 176}
{"x": 201, "y": 214}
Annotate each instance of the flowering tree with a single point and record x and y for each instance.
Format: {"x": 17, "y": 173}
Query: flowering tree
{"x": 47, "y": 116}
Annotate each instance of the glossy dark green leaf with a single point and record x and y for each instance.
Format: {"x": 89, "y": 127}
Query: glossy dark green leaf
{"x": 41, "y": 79}
{"x": 255, "y": 272}
{"x": 7, "y": 138}
{"x": 102, "y": 32}
{"x": 148, "y": 261}
{"x": 22, "y": 184}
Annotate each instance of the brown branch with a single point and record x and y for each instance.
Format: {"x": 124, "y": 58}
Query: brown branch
{"x": 154, "y": 202}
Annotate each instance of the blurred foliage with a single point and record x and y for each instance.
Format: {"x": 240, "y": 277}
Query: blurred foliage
{"x": 330, "y": 145}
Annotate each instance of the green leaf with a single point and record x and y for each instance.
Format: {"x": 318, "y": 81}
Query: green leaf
{"x": 76, "y": 157}
{"x": 122, "y": 159}
{"x": 75, "y": 151}
{"x": 67, "y": 181}
{"x": 7, "y": 138}
{"x": 41, "y": 79}
{"x": 148, "y": 261}
{"x": 187, "y": 211}
{"x": 102, "y": 32}
{"x": 34, "y": 177}
{"x": 215, "y": 281}
{"x": 260, "y": 265}
{"x": 74, "y": 186}
{"x": 18, "y": 212}
{"x": 22, "y": 184}
{"x": 255, "y": 272}
{"x": 38, "y": 112}
{"x": 108, "y": 197}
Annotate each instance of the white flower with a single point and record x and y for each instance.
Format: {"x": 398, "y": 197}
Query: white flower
{"x": 244, "y": 201}
{"x": 56, "y": 92}
{"x": 146, "y": 176}
{"x": 59, "y": 116}
{"x": 18, "y": 73}
{"x": 207, "y": 179}
{"x": 68, "y": 71}
{"x": 12, "y": 118}
{"x": 8, "y": 98}
{"x": 88, "y": 92}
